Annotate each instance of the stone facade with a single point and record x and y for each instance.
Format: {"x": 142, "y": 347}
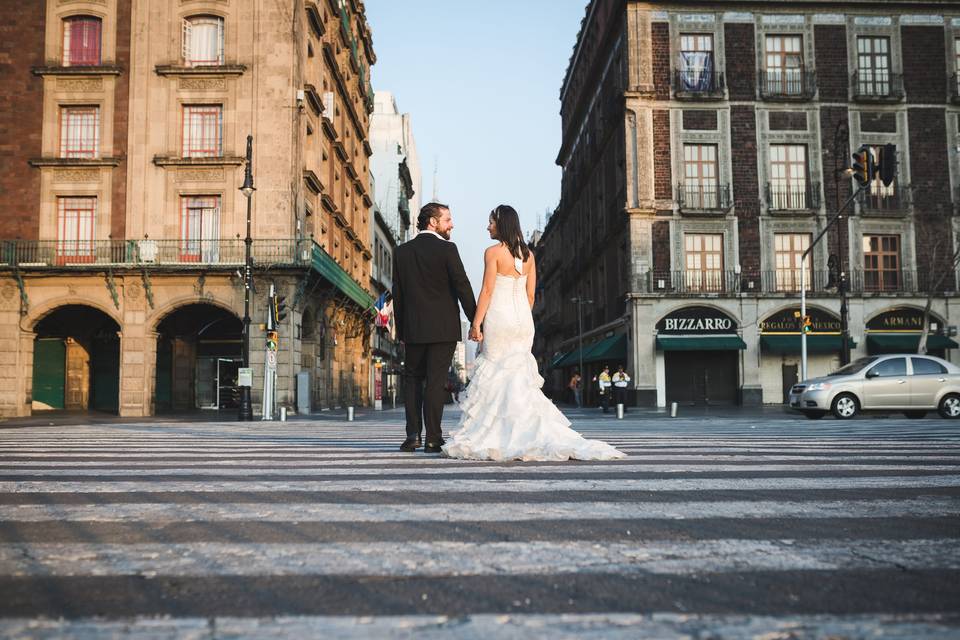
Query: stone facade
{"x": 746, "y": 117}
{"x": 163, "y": 247}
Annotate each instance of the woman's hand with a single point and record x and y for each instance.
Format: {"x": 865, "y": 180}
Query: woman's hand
{"x": 475, "y": 333}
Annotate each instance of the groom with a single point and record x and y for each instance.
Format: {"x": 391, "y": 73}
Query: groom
{"x": 428, "y": 280}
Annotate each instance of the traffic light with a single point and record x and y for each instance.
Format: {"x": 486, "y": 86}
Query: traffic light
{"x": 887, "y": 164}
{"x": 279, "y": 309}
{"x": 863, "y": 167}
{"x": 807, "y": 325}
{"x": 272, "y": 340}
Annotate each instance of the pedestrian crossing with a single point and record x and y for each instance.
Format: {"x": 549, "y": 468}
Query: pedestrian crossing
{"x": 323, "y": 529}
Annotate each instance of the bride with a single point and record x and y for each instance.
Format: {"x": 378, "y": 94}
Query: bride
{"x": 505, "y": 415}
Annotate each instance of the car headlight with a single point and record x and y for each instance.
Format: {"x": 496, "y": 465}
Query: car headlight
{"x": 819, "y": 386}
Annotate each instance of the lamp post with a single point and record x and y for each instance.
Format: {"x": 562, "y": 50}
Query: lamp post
{"x": 246, "y": 405}
{"x": 580, "y": 301}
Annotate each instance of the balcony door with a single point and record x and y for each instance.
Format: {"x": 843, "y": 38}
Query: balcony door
{"x": 873, "y": 66}
{"x": 696, "y": 62}
{"x": 788, "y": 253}
{"x": 699, "y": 189}
{"x": 75, "y": 222}
{"x": 703, "y": 255}
{"x": 784, "y": 60}
{"x": 881, "y": 263}
{"x": 788, "y": 176}
{"x": 200, "y": 229}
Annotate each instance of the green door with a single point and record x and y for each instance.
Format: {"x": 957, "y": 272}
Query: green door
{"x": 105, "y": 366}
{"x": 49, "y": 371}
{"x": 164, "y": 394}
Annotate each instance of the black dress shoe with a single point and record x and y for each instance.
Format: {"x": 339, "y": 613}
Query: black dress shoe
{"x": 419, "y": 442}
{"x": 432, "y": 448}
{"x": 409, "y": 445}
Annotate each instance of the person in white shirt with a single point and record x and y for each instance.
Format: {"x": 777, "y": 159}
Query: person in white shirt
{"x": 620, "y": 383}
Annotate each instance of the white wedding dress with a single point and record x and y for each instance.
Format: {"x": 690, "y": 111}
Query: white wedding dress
{"x": 505, "y": 415}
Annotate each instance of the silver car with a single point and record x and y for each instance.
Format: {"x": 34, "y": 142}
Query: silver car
{"x": 906, "y": 382}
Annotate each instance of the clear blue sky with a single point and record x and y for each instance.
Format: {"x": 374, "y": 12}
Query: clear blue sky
{"x": 481, "y": 81}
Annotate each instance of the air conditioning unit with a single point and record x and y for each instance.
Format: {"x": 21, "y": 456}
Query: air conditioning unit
{"x": 147, "y": 250}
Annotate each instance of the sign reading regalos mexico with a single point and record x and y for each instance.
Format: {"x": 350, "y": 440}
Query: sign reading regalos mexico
{"x": 901, "y": 319}
{"x": 696, "y": 321}
{"x": 788, "y": 321}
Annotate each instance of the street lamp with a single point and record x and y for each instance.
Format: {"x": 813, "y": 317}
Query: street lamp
{"x": 246, "y": 405}
{"x": 580, "y": 301}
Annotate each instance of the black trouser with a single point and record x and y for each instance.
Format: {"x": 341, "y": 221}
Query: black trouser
{"x": 425, "y": 374}
{"x": 605, "y": 400}
{"x": 620, "y": 394}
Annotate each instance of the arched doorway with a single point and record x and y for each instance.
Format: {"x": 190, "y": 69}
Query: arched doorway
{"x": 76, "y": 360}
{"x": 199, "y": 350}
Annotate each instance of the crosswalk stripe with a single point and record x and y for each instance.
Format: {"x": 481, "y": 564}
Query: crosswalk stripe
{"x": 491, "y": 512}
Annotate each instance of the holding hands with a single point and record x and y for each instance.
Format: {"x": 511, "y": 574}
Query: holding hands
{"x": 475, "y": 333}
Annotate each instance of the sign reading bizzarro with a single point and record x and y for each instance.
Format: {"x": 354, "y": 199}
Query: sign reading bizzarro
{"x": 696, "y": 321}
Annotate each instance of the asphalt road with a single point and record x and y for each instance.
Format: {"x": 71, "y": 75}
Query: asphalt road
{"x": 717, "y": 525}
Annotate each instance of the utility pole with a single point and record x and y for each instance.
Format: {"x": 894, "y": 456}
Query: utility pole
{"x": 245, "y": 376}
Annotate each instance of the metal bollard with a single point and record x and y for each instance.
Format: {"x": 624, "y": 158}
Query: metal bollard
{"x": 619, "y": 411}
{"x": 283, "y": 414}
{"x": 349, "y": 414}
{"x": 673, "y": 409}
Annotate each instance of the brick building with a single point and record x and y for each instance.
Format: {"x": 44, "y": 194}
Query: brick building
{"x": 704, "y": 147}
{"x": 122, "y": 229}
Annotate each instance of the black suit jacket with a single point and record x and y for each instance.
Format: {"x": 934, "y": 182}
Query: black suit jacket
{"x": 428, "y": 280}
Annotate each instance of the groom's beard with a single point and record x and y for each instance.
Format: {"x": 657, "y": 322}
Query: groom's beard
{"x": 444, "y": 234}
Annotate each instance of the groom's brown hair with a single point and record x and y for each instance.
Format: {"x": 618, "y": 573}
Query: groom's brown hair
{"x": 430, "y": 210}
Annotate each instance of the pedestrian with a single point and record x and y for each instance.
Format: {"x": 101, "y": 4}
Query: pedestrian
{"x": 620, "y": 382}
{"x": 575, "y": 390}
{"x": 603, "y": 385}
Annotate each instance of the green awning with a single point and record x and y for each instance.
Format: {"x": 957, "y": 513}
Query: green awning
{"x": 790, "y": 343}
{"x": 569, "y": 359}
{"x": 327, "y": 267}
{"x": 612, "y": 348}
{"x": 905, "y": 342}
{"x": 558, "y": 359}
{"x": 700, "y": 343}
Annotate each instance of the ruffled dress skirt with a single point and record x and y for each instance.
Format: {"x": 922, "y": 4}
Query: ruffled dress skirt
{"x": 505, "y": 414}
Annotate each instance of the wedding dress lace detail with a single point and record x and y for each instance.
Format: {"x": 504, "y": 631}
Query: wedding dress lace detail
{"x": 505, "y": 414}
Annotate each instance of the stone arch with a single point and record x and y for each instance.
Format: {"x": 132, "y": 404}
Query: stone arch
{"x": 161, "y": 313}
{"x": 45, "y": 309}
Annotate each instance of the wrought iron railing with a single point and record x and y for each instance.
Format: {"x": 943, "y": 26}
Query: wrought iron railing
{"x": 703, "y": 197}
{"x": 895, "y": 199}
{"x": 698, "y": 83}
{"x": 788, "y": 84}
{"x": 784, "y": 281}
{"x": 87, "y": 254}
{"x": 793, "y": 197}
{"x": 693, "y": 281}
{"x": 788, "y": 281}
{"x": 877, "y": 84}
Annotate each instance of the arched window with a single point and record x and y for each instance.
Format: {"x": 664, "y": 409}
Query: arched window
{"x": 202, "y": 41}
{"x": 81, "y": 41}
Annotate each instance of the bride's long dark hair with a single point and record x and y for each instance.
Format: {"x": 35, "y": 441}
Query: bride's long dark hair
{"x": 509, "y": 232}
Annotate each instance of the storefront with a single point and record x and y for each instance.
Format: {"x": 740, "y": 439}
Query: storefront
{"x": 898, "y": 330}
{"x": 698, "y": 357}
{"x": 780, "y": 347}
{"x": 609, "y": 350}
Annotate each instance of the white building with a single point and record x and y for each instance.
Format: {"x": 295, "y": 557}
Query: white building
{"x": 395, "y": 164}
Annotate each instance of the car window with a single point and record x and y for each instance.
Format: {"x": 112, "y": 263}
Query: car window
{"x": 891, "y": 367}
{"x": 853, "y": 367}
{"x": 922, "y": 366}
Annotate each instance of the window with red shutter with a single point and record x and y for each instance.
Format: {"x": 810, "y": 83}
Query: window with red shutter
{"x": 81, "y": 41}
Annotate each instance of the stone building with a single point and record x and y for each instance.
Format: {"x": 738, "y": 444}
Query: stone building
{"x": 123, "y": 228}
{"x": 704, "y": 148}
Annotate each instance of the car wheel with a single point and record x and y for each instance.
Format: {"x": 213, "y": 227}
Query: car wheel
{"x": 814, "y": 415}
{"x": 915, "y": 415}
{"x": 949, "y": 406}
{"x": 845, "y": 406}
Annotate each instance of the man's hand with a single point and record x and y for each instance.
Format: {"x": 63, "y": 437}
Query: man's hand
{"x": 475, "y": 334}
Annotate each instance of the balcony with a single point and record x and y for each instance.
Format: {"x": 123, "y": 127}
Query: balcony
{"x": 691, "y": 282}
{"x": 886, "y": 201}
{"x": 698, "y": 84}
{"x": 704, "y": 198}
{"x": 166, "y": 254}
{"x": 892, "y": 281}
{"x": 871, "y": 85}
{"x": 788, "y": 85}
{"x": 788, "y": 281}
{"x": 790, "y": 198}
{"x": 953, "y": 90}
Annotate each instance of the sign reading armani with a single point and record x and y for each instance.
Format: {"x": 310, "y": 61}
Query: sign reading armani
{"x": 785, "y": 321}
{"x": 696, "y": 321}
{"x": 900, "y": 319}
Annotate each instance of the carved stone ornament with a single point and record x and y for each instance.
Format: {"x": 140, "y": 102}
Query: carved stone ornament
{"x": 199, "y": 175}
{"x": 133, "y": 291}
{"x": 7, "y": 291}
{"x": 79, "y": 84}
{"x": 203, "y": 84}
{"x": 76, "y": 175}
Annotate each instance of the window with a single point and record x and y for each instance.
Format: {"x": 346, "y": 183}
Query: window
{"x": 202, "y": 131}
{"x": 788, "y": 249}
{"x": 79, "y": 132}
{"x": 881, "y": 263}
{"x": 696, "y": 62}
{"x": 75, "y": 220}
{"x": 199, "y": 228}
{"x": 788, "y": 177}
{"x": 784, "y": 59}
{"x": 81, "y": 41}
{"x": 704, "y": 261}
{"x": 873, "y": 66}
{"x": 956, "y": 66}
{"x": 699, "y": 189}
{"x": 926, "y": 366}
{"x": 889, "y": 368}
{"x": 880, "y": 196}
{"x": 202, "y": 41}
